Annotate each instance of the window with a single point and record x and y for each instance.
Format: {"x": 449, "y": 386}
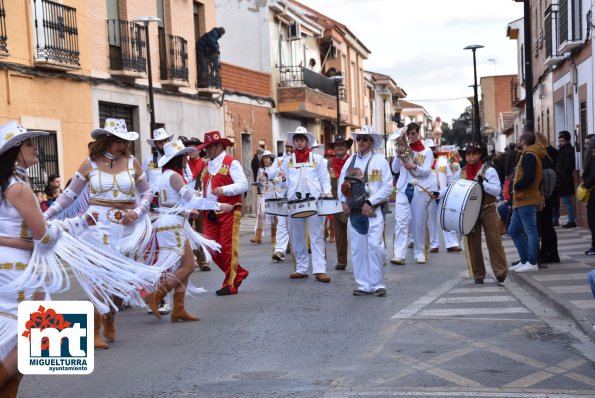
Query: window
{"x": 199, "y": 20}
{"x": 47, "y": 150}
{"x": 3, "y": 37}
{"x": 118, "y": 111}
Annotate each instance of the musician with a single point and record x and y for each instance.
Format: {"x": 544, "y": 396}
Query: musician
{"x": 413, "y": 162}
{"x": 282, "y": 234}
{"x": 487, "y": 176}
{"x": 223, "y": 177}
{"x": 367, "y": 243}
{"x": 306, "y": 176}
{"x": 442, "y": 178}
{"x": 335, "y": 165}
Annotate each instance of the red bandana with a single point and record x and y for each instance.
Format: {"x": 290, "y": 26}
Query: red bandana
{"x": 338, "y": 164}
{"x": 417, "y": 146}
{"x": 472, "y": 170}
{"x": 302, "y": 156}
{"x": 177, "y": 171}
{"x": 196, "y": 166}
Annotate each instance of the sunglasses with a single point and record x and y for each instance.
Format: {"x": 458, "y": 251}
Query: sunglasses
{"x": 364, "y": 139}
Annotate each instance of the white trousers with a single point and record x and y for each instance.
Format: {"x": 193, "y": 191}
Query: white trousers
{"x": 416, "y": 211}
{"x": 368, "y": 255}
{"x": 450, "y": 237}
{"x": 297, "y": 235}
{"x": 282, "y": 237}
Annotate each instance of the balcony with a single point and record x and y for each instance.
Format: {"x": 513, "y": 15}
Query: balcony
{"x": 127, "y": 52}
{"x": 56, "y": 36}
{"x": 3, "y": 37}
{"x": 173, "y": 60}
{"x": 308, "y": 94}
{"x": 209, "y": 74}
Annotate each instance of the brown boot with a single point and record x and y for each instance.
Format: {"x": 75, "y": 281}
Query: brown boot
{"x": 179, "y": 313}
{"x": 153, "y": 300}
{"x": 99, "y": 343}
{"x": 109, "y": 326}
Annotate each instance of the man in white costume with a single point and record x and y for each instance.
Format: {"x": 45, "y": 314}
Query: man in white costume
{"x": 412, "y": 200}
{"x": 306, "y": 177}
{"x": 366, "y": 233}
{"x": 150, "y": 166}
{"x": 442, "y": 178}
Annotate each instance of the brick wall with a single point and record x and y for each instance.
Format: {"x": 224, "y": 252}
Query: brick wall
{"x": 245, "y": 80}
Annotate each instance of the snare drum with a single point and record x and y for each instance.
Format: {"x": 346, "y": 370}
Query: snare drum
{"x": 301, "y": 208}
{"x": 276, "y": 207}
{"x": 328, "y": 206}
{"x": 461, "y": 206}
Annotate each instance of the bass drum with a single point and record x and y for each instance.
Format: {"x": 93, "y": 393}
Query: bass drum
{"x": 302, "y": 208}
{"x": 461, "y": 206}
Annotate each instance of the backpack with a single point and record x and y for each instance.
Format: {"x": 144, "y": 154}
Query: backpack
{"x": 548, "y": 178}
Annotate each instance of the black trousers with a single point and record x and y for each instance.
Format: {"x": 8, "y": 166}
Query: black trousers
{"x": 548, "y": 251}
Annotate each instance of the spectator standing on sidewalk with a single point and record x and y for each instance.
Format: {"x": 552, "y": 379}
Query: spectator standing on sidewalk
{"x": 588, "y": 183}
{"x": 54, "y": 181}
{"x": 526, "y": 201}
{"x": 565, "y": 167}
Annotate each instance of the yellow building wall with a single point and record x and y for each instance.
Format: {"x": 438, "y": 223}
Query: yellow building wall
{"x": 51, "y": 102}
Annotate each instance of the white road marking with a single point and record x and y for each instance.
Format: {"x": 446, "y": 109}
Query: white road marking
{"x": 469, "y": 299}
{"x": 472, "y": 311}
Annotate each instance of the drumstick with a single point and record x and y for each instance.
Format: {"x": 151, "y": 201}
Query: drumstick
{"x": 415, "y": 183}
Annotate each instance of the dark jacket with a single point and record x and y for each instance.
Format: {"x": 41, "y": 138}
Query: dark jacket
{"x": 509, "y": 162}
{"x": 208, "y": 43}
{"x": 565, "y": 167}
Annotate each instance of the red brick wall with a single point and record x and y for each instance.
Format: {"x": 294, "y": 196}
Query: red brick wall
{"x": 245, "y": 80}
{"x": 242, "y": 118}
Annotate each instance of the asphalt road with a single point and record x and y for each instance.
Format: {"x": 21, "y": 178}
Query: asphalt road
{"x": 436, "y": 334}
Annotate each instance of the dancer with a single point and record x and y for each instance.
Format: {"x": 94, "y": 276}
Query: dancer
{"x": 175, "y": 236}
{"x": 224, "y": 181}
{"x": 307, "y": 177}
{"x": 266, "y": 191}
{"x": 111, "y": 178}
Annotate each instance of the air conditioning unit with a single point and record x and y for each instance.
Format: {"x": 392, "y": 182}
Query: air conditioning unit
{"x": 294, "y": 31}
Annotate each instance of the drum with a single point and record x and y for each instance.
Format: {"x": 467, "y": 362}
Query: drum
{"x": 328, "y": 206}
{"x": 276, "y": 207}
{"x": 461, "y": 206}
{"x": 301, "y": 208}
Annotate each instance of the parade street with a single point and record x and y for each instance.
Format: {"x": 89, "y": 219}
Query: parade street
{"x": 436, "y": 334}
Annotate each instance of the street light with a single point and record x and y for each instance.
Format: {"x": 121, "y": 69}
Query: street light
{"x": 476, "y": 132}
{"x": 337, "y": 79}
{"x": 385, "y": 95}
{"x": 145, "y": 21}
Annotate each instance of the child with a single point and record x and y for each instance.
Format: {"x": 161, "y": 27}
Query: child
{"x": 356, "y": 193}
{"x": 42, "y": 198}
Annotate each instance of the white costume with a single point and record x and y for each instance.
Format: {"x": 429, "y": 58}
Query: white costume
{"x": 367, "y": 250}
{"x": 311, "y": 178}
{"x": 443, "y": 178}
{"x": 282, "y": 235}
{"x": 417, "y": 209}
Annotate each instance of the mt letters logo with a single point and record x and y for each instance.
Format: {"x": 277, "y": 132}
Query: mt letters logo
{"x": 56, "y": 337}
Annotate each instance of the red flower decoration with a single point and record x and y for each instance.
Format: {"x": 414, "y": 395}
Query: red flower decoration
{"x": 43, "y": 319}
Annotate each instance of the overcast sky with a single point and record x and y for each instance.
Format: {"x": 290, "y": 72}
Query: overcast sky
{"x": 420, "y": 44}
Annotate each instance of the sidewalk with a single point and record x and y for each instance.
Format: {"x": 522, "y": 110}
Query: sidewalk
{"x": 564, "y": 286}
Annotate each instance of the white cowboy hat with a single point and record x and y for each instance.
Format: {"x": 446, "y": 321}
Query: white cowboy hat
{"x": 267, "y": 153}
{"x": 367, "y": 130}
{"x": 115, "y": 127}
{"x": 429, "y": 143}
{"x": 173, "y": 149}
{"x": 301, "y": 131}
{"x": 13, "y": 134}
{"x": 159, "y": 135}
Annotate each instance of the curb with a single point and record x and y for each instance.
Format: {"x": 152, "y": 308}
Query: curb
{"x": 561, "y": 305}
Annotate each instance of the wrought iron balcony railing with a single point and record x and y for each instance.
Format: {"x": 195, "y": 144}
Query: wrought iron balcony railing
{"x": 56, "y": 33}
{"x": 209, "y": 71}
{"x": 173, "y": 57}
{"x": 3, "y": 37}
{"x": 298, "y": 76}
{"x": 127, "y": 50}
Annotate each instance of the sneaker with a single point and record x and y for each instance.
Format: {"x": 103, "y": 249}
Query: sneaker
{"x": 569, "y": 225}
{"x": 381, "y": 292}
{"x": 515, "y": 265}
{"x": 527, "y": 267}
{"x": 397, "y": 261}
{"x": 279, "y": 256}
{"x": 360, "y": 292}
{"x": 164, "y": 307}
{"x": 421, "y": 260}
{"x": 590, "y": 252}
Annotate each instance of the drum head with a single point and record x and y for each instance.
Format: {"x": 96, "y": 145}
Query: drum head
{"x": 461, "y": 206}
{"x": 472, "y": 210}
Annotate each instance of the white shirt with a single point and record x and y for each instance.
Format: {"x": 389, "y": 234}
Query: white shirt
{"x": 423, "y": 172}
{"x": 380, "y": 178}
{"x": 491, "y": 181}
{"x": 240, "y": 182}
{"x": 311, "y": 177}
{"x": 153, "y": 172}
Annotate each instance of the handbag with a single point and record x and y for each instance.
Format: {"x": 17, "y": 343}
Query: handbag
{"x": 582, "y": 193}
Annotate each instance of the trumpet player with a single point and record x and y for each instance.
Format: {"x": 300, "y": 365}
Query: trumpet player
{"x": 414, "y": 165}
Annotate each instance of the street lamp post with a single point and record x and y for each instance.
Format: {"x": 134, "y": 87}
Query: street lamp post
{"x": 385, "y": 95}
{"x": 476, "y": 126}
{"x": 338, "y": 79}
{"x": 145, "y": 21}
